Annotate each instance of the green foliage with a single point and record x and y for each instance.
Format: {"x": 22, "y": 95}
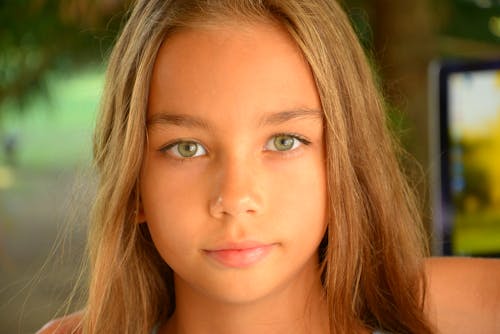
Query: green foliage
{"x": 39, "y": 37}
{"x": 57, "y": 134}
{"x": 477, "y": 233}
{"x": 469, "y": 19}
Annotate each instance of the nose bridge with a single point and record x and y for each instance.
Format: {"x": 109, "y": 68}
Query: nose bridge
{"x": 236, "y": 188}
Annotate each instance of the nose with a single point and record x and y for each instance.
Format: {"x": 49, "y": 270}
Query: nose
{"x": 237, "y": 190}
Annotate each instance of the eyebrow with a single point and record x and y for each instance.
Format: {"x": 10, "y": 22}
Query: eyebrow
{"x": 288, "y": 115}
{"x": 190, "y": 121}
{"x": 183, "y": 120}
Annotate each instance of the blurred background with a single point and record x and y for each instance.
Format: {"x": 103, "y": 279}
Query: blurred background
{"x": 52, "y": 61}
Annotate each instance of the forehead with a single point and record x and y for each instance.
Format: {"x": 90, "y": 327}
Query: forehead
{"x": 231, "y": 69}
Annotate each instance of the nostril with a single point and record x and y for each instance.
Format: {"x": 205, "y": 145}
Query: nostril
{"x": 216, "y": 209}
{"x": 233, "y": 206}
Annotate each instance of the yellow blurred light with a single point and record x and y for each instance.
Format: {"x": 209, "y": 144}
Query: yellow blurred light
{"x": 6, "y": 177}
{"x": 494, "y": 25}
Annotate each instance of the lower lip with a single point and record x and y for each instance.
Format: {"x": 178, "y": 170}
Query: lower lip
{"x": 240, "y": 258}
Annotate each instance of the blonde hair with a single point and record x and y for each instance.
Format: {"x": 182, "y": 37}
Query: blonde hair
{"x": 371, "y": 256}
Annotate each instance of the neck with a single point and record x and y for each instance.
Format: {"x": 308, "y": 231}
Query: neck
{"x": 297, "y": 307}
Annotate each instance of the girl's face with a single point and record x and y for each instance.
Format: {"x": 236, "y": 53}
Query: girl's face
{"x": 233, "y": 184}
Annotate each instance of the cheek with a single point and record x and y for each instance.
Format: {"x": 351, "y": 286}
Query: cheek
{"x": 300, "y": 198}
{"x": 171, "y": 209}
{"x": 168, "y": 191}
{"x": 174, "y": 228}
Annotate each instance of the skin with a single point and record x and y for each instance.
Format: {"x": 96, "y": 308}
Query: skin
{"x": 247, "y": 86}
{"x": 464, "y": 294}
{"x": 238, "y": 187}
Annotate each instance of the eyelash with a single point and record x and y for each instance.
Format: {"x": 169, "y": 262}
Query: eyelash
{"x": 301, "y": 139}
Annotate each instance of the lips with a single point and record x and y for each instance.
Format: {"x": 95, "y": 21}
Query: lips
{"x": 239, "y": 255}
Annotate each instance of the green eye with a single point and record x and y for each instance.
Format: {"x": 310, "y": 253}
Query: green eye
{"x": 185, "y": 149}
{"x": 284, "y": 142}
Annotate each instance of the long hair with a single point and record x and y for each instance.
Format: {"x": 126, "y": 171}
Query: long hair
{"x": 372, "y": 254}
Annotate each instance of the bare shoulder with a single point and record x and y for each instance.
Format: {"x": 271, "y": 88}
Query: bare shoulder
{"x": 463, "y": 294}
{"x": 69, "y": 324}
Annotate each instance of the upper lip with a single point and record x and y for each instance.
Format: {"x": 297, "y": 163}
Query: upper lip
{"x": 243, "y": 245}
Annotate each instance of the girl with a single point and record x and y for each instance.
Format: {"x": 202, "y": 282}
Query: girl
{"x": 248, "y": 183}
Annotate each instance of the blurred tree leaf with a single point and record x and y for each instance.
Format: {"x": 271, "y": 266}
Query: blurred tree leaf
{"x": 38, "y": 37}
{"x": 477, "y": 20}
